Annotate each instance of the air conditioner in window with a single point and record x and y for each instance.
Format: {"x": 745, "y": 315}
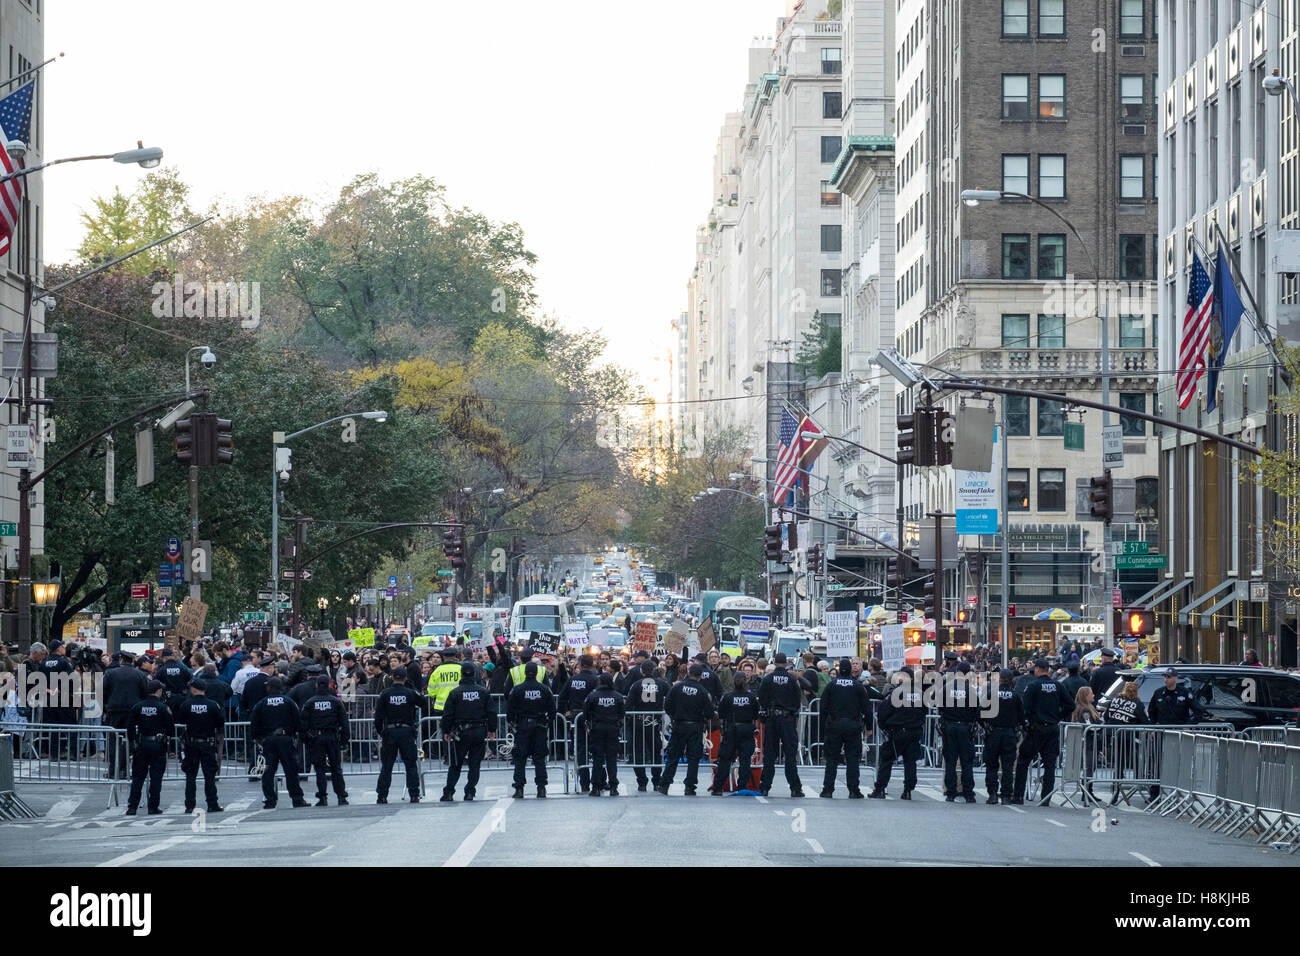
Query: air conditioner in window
{"x": 1189, "y": 241}
{"x": 1132, "y": 49}
{"x": 1135, "y": 129}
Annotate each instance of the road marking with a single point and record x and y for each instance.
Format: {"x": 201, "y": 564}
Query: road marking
{"x": 931, "y": 792}
{"x": 65, "y": 808}
{"x": 134, "y": 855}
{"x": 326, "y": 850}
{"x": 1017, "y": 809}
{"x": 1145, "y": 859}
{"x": 816, "y": 847}
{"x": 761, "y": 799}
{"x": 1056, "y": 823}
{"x": 779, "y": 813}
{"x": 470, "y": 846}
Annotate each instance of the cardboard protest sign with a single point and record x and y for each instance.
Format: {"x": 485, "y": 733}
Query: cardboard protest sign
{"x": 575, "y": 635}
{"x": 189, "y": 624}
{"x": 319, "y": 639}
{"x": 362, "y": 636}
{"x": 675, "y": 642}
{"x": 841, "y": 634}
{"x": 707, "y": 638}
{"x": 646, "y": 636}
{"x": 544, "y": 644}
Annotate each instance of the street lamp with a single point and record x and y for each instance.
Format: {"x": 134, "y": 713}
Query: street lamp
{"x": 278, "y": 439}
{"x": 1276, "y": 84}
{"x": 322, "y": 603}
{"x": 146, "y": 157}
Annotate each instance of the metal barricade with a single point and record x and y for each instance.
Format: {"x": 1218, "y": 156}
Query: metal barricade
{"x": 68, "y": 753}
{"x": 1275, "y": 734}
{"x": 1273, "y": 818}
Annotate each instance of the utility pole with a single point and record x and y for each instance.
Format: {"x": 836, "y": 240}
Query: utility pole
{"x": 1108, "y": 615}
{"x": 24, "y": 476}
{"x": 196, "y": 590}
{"x": 299, "y": 539}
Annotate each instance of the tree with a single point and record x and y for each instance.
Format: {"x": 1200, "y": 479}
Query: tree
{"x": 819, "y": 352}
{"x": 118, "y": 224}
{"x": 1279, "y": 473}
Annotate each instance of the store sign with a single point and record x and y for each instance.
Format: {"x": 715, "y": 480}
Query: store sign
{"x": 1080, "y": 627}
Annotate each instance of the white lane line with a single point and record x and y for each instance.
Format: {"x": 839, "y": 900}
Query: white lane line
{"x": 1145, "y": 859}
{"x": 66, "y": 808}
{"x": 325, "y": 850}
{"x": 816, "y": 847}
{"x": 931, "y": 792}
{"x": 1056, "y": 823}
{"x": 470, "y": 846}
{"x": 761, "y": 799}
{"x": 134, "y": 855}
{"x": 1017, "y": 809}
{"x": 236, "y": 805}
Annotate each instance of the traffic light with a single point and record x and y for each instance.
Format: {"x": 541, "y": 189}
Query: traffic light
{"x": 906, "y": 427}
{"x": 815, "y": 559}
{"x": 772, "y": 542}
{"x": 1102, "y": 497}
{"x": 963, "y": 616}
{"x": 931, "y": 607}
{"x": 193, "y": 441}
{"x": 222, "y": 450}
{"x": 945, "y": 431}
{"x": 1139, "y": 623}
{"x": 453, "y": 546}
{"x": 688, "y": 552}
{"x": 898, "y": 571}
{"x": 925, "y": 425}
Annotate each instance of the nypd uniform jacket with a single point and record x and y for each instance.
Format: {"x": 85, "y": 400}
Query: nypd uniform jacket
{"x": 604, "y": 706}
{"x": 709, "y": 679}
{"x": 910, "y": 716}
{"x": 530, "y": 701}
{"x": 1122, "y": 711}
{"x": 574, "y": 696}
{"x": 1046, "y": 700}
{"x": 689, "y": 703}
{"x": 149, "y": 718}
{"x": 468, "y": 705}
{"x": 780, "y": 691}
{"x": 202, "y": 717}
{"x": 272, "y": 714}
{"x": 324, "y": 715}
{"x": 174, "y": 676}
{"x": 646, "y": 692}
{"x": 441, "y": 683}
{"x": 1102, "y": 678}
{"x": 958, "y": 704}
{"x": 397, "y": 704}
{"x": 738, "y": 708}
{"x": 1177, "y": 706}
{"x": 1010, "y": 711}
{"x": 845, "y": 698}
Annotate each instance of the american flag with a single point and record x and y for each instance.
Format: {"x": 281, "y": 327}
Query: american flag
{"x": 1196, "y": 332}
{"x": 16, "y": 113}
{"x": 15, "y": 123}
{"x": 787, "y": 459}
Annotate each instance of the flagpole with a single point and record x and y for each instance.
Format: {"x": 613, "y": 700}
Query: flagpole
{"x": 35, "y": 69}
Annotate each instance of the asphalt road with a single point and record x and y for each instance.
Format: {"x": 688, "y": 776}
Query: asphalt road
{"x": 637, "y": 829}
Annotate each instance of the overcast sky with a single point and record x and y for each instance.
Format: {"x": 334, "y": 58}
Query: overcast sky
{"x": 592, "y": 124}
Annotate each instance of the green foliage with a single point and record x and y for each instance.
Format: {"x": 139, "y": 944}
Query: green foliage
{"x": 1279, "y": 472}
{"x": 819, "y": 352}
{"x": 118, "y": 224}
{"x": 834, "y": 7}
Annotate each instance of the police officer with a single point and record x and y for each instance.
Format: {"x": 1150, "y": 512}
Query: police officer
{"x": 124, "y": 686}
{"x": 779, "y": 700}
{"x": 572, "y": 702}
{"x": 444, "y": 677}
{"x": 518, "y": 674}
{"x": 1003, "y": 716}
{"x": 845, "y": 705}
{"x": 397, "y": 718}
{"x": 738, "y": 711}
{"x": 1173, "y": 703}
{"x": 690, "y": 708}
{"x": 645, "y": 696}
{"x": 1044, "y": 701}
{"x": 149, "y": 726}
{"x": 1104, "y": 675}
{"x": 958, "y": 711}
{"x": 203, "y": 722}
{"x": 603, "y": 713}
{"x": 709, "y": 678}
{"x": 1073, "y": 682}
{"x": 274, "y": 723}
{"x": 469, "y": 716}
{"x": 901, "y": 716}
{"x": 326, "y": 729}
{"x": 175, "y": 677}
{"x": 530, "y": 710}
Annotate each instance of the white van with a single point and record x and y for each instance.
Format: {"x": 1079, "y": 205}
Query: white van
{"x": 543, "y": 613}
{"x": 478, "y": 619}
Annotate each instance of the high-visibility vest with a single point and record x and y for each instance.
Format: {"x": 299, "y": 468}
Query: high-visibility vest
{"x": 517, "y": 675}
{"x": 441, "y": 682}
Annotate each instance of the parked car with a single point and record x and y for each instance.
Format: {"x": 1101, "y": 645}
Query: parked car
{"x": 1241, "y": 696}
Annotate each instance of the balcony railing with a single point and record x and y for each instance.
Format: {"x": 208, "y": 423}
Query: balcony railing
{"x": 1072, "y": 361}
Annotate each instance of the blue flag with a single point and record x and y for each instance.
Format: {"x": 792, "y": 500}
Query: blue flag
{"x": 16, "y": 113}
{"x": 1227, "y": 311}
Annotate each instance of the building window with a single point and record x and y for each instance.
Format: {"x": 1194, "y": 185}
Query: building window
{"x": 1051, "y": 418}
{"x": 830, "y": 149}
{"x": 1051, "y": 177}
{"x": 832, "y": 320}
{"x": 1015, "y": 18}
{"x": 1134, "y": 402}
{"x": 830, "y": 282}
{"x": 1051, "y": 489}
{"x": 1132, "y": 22}
{"x": 1148, "y": 499}
{"x": 1132, "y": 257}
{"x": 1051, "y": 96}
{"x": 830, "y": 195}
{"x": 1132, "y": 331}
{"x": 831, "y": 104}
{"x": 831, "y": 238}
{"x": 1015, "y": 173}
{"x": 1015, "y": 96}
{"x": 1017, "y": 412}
{"x": 1015, "y": 331}
{"x": 832, "y": 65}
{"x": 1017, "y": 489}
{"x": 1015, "y": 256}
{"x": 1051, "y": 18}
{"x": 1132, "y": 177}
{"x": 1132, "y": 97}
{"x": 1051, "y": 331}
{"x": 1051, "y": 257}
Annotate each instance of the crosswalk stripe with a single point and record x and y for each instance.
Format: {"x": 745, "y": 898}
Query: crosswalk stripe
{"x": 64, "y": 808}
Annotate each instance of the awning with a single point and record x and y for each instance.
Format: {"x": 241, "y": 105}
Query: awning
{"x": 1148, "y": 603}
{"x": 1185, "y": 616}
{"x": 1207, "y": 616}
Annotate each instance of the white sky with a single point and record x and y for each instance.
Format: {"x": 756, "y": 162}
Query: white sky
{"x": 592, "y": 124}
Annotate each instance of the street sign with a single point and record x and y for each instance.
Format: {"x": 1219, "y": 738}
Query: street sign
{"x": 445, "y": 574}
{"x": 171, "y": 574}
{"x": 8, "y": 529}
{"x": 369, "y": 597}
{"x": 1112, "y": 446}
{"x": 1116, "y": 597}
{"x": 303, "y": 575}
{"x": 20, "y": 445}
{"x": 392, "y": 579}
{"x": 1074, "y": 436}
{"x": 390, "y": 592}
{"x": 173, "y": 550}
{"x": 834, "y": 587}
{"x": 1131, "y": 561}
{"x": 1131, "y": 547}
{"x": 255, "y": 617}
{"x": 139, "y": 592}
{"x": 267, "y": 596}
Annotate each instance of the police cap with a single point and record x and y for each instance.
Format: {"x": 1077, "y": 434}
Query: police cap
{"x": 153, "y": 687}
{"x": 196, "y": 682}
{"x": 778, "y": 657}
{"x": 949, "y": 655}
{"x": 1107, "y": 652}
{"x": 275, "y": 685}
{"x": 1171, "y": 672}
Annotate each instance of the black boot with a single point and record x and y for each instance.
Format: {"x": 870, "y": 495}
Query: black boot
{"x": 877, "y": 794}
{"x": 519, "y": 793}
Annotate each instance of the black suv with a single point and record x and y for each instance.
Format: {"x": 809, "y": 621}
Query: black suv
{"x": 1241, "y": 696}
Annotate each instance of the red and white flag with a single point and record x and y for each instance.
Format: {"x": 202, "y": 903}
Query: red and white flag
{"x": 1196, "y": 332}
